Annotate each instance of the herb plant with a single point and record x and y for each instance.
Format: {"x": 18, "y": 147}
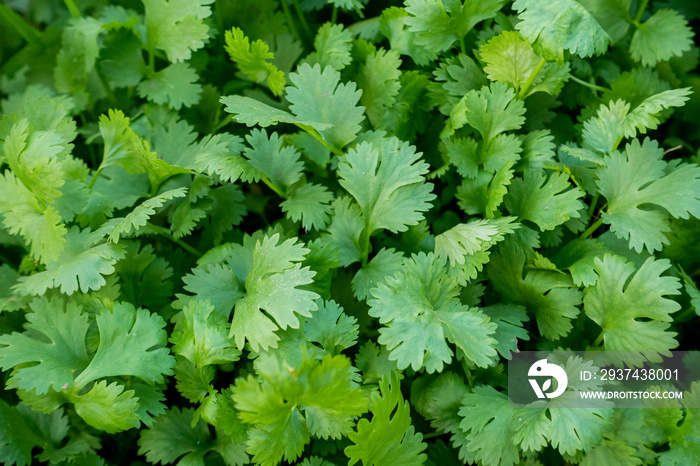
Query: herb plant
{"x": 314, "y": 232}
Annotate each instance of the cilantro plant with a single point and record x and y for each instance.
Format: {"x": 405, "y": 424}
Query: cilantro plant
{"x": 314, "y": 232}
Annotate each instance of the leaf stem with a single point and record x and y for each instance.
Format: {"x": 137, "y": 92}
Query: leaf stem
{"x": 686, "y": 315}
{"x": 272, "y": 186}
{"x": 591, "y": 209}
{"x": 166, "y": 233}
{"x": 365, "y": 244}
{"x": 599, "y": 340}
{"x": 16, "y": 22}
{"x": 72, "y": 8}
{"x": 304, "y": 25}
{"x": 290, "y": 19}
{"x": 523, "y": 91}
{"x": 587, "y": 84}
{"x": 640, "y": 12}
{"x": 462, "y": 45}
{"x": 592, "y": 228}
{"x": 95, "y": 176}
{"x": 334, "y": 14}
{"x": 320, "y": 139}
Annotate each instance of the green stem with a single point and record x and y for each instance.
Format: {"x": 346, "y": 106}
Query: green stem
{"x": 587, "y": 84}
{"x": 592, "y": 228}
{"x": 166, "y": 233}
{"x": 94, "y": 177}
{"x": 12, "y": 20}
{"x": 271, "y": 185}
{"x": 462, "y": 45}
{"x": 599, "y": 340}
{"x": 334, "y": 14}
{"x": 640, "y": 12}
{"x": 228, "y": 119}
{"x": 290, "y": 19}
{"x": 591, "y": 209}
{"x": 365, "y": 244}
{"x": 304, "y": 24}
{"x": 432, "y": 435}
{"x": 72, "y": 8}
{"x": 320, "y": 139}
{"x": 686, "y": 315}
{"x": 531, "y": 79}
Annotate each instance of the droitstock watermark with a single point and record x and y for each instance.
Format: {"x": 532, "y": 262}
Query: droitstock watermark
{"x": 578, "y": 379}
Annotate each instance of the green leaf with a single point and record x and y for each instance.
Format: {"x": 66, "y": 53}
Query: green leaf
{"x": 287, "y": 404}
{"x": 467, "y": 239}
{"x": 384, "y": 264}
{"x": 266, "y": 154}
{"x": 108, "y": 407}
{"x": 271, "y": 286}
{"x": 509, "y": 319}
{"x": 388, "y": 181}
{"x": 215, "y": 283}
{"x": 177, "y": 26}
{"x": 632, "y": 298}
{"x": 309, "y": 203}
{"x": 437, "y": 24}
{"x": 345, "y": 229}
{"x": 331, "y": 327}
{"x": 138, "y": 218}
{"x": 488, "y": 426}
{"x": 220, "y": 155}
{"x": 554, "y": 27}
{"x": 333, "y": 44}
{"x": 639, "y": 177}
{"x": 378, "y": 78}
{"x": 252, "y": 59}
{"x": 201, "y": 336}
{"x": 664, "y": 35}
{"x": 175, "y": 85}
{"x": 399, "y": 443}
{"x": 80, "y": 48}
{"x": 81, "y": 265}
{"x": 509, "y": 59}
{"x": 252, "y": 112}
{"x": 548, "y": 294}
{"x": 547, "y": 203}
{"x": 491, "y": 111}
{"x": 130, "y": 344}
{"x": 54, "y": 341}
{"x": 419, "y": 309}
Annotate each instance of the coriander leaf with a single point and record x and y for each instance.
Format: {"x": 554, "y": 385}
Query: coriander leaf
{"x": 437, "y": 25}
{"x": 331, "y": 327}
{"x": 398, "y": 444}
{"x": 385, "y": 263}
{"x": 80, "y": 47}
{"x": 345, "y": 229}
{"x": 488, "y": 426}
{"x": 639, "y": 177}
{"x": 490, "y": 110}
{"x": 378, "y": 78}
{"x": 81, "y": 265}
{"x": 509, "y": 59}
{"x": 547, "y": 203}
{"x": 252, "y": 112}
{"x": 175, "y": 85}
{"x": 557, "y": 26}
{"x": 19, "y": 436}
{"x": 641, "y": 296}
{"x": 374, "y": 363}
{"x": 420, "y": 309}
{"x": 309, "y": 203}
{"x": 127, "y": 341}
{"x": 220, "y": 155}
{"x": 213, "y": 282}
{"x": 139, "y": 217}
{"x": 333, "y": 44}
{"x": 286, "y": 404}
{"x": 387, "y": 180}
{"x": 23, "y": 215}
{"x": 316, "y": 95}
{"x": 271, "y": 286}
{"x": 466, "y": 239}
{"x": 177, "y": 26}
{"x": 509, "y": 319}
{"x": 252, "y": 59}
{"x": 201, "y": 336}
{"x": 664, "y": 35}
{"x": 108, "y": 407}
{"x": 59, "y": 353}
{"x": 550, "y": 295}
{"x": 266, "y": 154}
{"x": 438, "y": 399}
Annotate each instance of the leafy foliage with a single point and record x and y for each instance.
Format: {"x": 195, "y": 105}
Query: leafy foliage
{"x": 318, "y": 232}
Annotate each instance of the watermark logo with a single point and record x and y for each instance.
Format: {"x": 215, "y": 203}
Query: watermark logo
{"x": 542, "y": 368}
